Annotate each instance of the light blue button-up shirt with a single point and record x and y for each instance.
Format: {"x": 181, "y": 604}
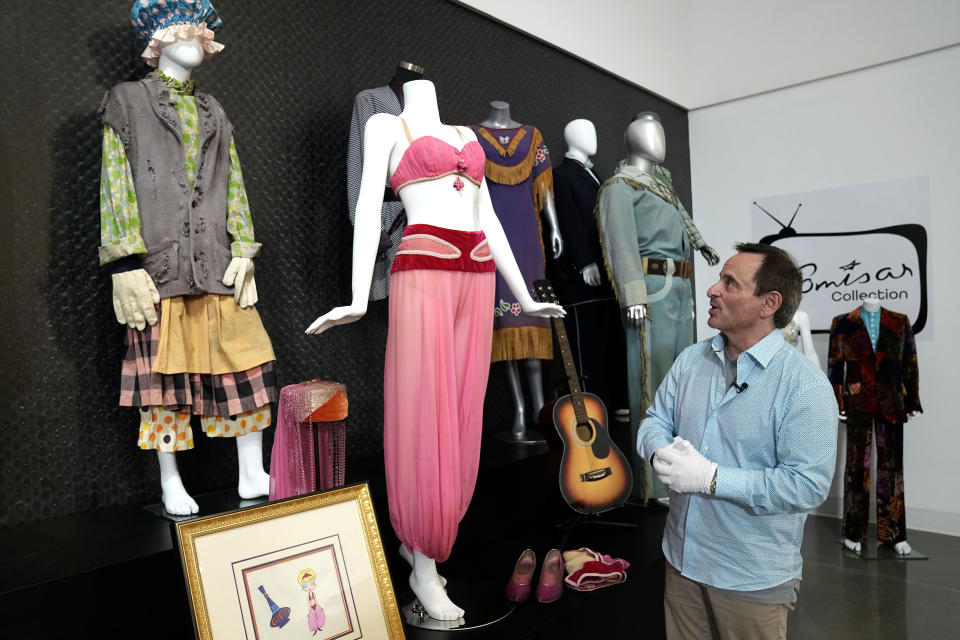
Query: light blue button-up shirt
{"x": 775, "y": 446}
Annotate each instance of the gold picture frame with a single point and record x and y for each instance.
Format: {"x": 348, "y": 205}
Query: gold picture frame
{"x": 315, "y": 562}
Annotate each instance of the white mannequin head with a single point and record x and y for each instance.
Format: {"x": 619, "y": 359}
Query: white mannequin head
{"x": 646, "y": 142}
{"x": 178, "y": 59}
{"x": 581, "y": 138}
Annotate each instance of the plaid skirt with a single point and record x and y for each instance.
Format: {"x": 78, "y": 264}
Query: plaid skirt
{"x": 222, "y": 395}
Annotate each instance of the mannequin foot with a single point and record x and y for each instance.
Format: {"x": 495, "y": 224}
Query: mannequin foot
{"x": 429, "y": 591}
{"x": 432, "y": 596}
{"x": 853, "y": 546}
{"x": 176, "y": 500}
{"x": 902, "y": 548}
{"x": 406, "y": 555}
{"x": 254, "y": 485}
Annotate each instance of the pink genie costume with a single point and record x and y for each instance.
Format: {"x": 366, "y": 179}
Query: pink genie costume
{"x": 437, "y": 359}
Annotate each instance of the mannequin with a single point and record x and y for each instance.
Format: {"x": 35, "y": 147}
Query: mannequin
{"x": 596, "y": 338}
{"x": 798, "y": 334}
{"x": 510, "y": 165}
{"x": 385, "y": 99}
{"x": 442, "y": 210}
{"x": 647, "y": 240}
{"x": 581, "y": 138}
{"x": 872, "y": 365}
{"x": 164, "y": 371}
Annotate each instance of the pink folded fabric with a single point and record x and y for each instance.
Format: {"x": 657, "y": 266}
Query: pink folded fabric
{"x": 601, "y": 571}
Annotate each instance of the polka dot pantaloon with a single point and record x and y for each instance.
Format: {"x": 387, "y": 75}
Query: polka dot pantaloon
{"x": 170, "y": 431}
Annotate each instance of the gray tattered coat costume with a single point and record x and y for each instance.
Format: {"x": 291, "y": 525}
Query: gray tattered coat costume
{"x": 184, "y": 229}
{"x": 206, "y": 356}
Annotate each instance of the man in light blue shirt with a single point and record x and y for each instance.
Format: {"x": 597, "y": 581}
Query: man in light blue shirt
{"x": 743, "y": 430}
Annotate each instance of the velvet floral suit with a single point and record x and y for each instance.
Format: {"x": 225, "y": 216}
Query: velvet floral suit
{"x": 876, "y": 389}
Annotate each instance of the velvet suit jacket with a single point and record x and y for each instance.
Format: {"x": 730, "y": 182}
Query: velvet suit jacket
{"x": 885, "y": 382}
{"x": 575, "y": 195}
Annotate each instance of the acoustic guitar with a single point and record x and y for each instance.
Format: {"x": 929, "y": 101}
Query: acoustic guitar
{"x": 594, "y": 474}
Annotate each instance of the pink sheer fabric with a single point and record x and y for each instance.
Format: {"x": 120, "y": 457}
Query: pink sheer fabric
{"x": 435, "y": 378}
{"x": 302, "y": 406}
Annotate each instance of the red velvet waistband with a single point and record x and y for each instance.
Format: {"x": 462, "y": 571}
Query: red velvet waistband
{"x": 425, "y": 246}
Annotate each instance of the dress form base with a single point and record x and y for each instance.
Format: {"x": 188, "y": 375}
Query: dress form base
{"x": 210, "y": 504}
{"x": 484, "y": 604}
{"x": 527, "y": 436}
{"x": 876, "y": 550}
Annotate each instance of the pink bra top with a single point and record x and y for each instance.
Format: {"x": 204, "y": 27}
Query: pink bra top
{"x": 430, "y": 158}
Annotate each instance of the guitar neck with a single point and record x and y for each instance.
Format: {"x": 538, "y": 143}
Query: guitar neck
{"x": 573, "y": 379}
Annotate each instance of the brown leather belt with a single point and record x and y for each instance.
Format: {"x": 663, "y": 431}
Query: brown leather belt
{"x": 658, "y": 266}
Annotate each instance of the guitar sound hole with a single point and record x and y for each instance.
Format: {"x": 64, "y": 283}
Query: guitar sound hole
{"x": 584, "y": 432}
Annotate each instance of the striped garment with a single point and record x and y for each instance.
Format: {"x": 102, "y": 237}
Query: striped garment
{"x": 367, "y": 103}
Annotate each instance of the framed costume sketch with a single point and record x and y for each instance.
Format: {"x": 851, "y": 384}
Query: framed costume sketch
{"x": 313, "y": 566}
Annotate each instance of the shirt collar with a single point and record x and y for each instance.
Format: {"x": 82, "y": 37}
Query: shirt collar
{"x": 588, "y": 164}
{"x": 762, "y": 352}
{"x": 175, "y": 86}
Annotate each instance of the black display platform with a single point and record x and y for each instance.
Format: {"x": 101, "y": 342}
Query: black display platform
{"x": 210, "y": 504}
{"x": 109, "y": 572}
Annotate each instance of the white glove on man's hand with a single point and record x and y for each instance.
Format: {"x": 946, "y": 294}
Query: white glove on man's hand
{"x": 134, "y": 297}
{"x": 591, "y": 274}
{"x": 239, "y": 275}
{"x": 682, "y": 468}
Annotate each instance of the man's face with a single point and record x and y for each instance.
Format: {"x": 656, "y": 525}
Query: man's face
{"x": 733, "y": 305}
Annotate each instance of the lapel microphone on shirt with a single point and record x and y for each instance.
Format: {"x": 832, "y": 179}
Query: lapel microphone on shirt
{"x": 740, "y": 387}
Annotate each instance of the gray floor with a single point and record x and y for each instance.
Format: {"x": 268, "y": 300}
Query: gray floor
{"x": 843, "y": 596}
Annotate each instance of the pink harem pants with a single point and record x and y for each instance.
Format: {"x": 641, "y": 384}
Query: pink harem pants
{"x": 435, "y": 378}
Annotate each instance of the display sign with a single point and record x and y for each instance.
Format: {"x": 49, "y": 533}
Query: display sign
{"x": 852, "y": 243}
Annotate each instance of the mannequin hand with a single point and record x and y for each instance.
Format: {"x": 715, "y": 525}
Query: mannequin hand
{"x": 542, "y": 309}
{"x": 591, "y": 274}
{"x": 239, "y": 275}
{"x": 636, "y": 314}
{"x": 134, "y": 297}
{"x": 709, "y": 255}
{"x": 556, "y": 243}
{"x": 336, "y": 316}
{"x": 684, "y": 469}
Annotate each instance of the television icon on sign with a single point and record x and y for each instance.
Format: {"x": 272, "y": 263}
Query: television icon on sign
{"x": 841, "y": 268}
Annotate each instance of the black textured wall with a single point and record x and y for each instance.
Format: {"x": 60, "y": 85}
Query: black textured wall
{"x": 287, "y": 79}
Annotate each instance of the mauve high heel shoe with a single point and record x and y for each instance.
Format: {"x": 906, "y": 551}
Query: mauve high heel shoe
{"x": 521, "y": 580}
{"x": 550, "y": 586}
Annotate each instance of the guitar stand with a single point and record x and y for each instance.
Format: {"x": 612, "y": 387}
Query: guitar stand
{"x": 578, "y": 519}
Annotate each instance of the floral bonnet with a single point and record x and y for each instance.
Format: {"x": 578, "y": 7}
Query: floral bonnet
{"x": 162, "y": 22}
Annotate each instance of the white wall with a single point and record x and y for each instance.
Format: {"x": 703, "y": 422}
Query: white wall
{"x": 739, "y": 48}
{"x": 634, "y": 39}
{"x": 893, "y": 121}
{"x": 698, "y": 53}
